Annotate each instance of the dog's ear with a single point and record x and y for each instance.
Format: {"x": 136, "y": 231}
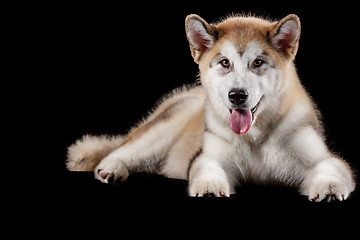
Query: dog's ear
{"x": 200, "y": 34}
{"x": 285, "y": 36}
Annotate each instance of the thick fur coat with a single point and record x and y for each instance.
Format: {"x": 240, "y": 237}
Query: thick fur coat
{"x": 250, "y": 120}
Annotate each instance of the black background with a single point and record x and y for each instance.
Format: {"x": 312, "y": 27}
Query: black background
{"x": 103, "y": 66}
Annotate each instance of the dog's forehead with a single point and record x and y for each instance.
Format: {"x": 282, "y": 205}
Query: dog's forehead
{"x": 232, "y": 50}
{"x": 242, "y": 35}
{"x": 243, "y": 30}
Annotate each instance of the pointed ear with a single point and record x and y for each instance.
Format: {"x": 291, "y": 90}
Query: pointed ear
{"x": 200, "y": 34}
{"x": 285, "y": 36}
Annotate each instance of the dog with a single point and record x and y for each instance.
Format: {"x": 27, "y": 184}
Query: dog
{"x": 248, "y": 120}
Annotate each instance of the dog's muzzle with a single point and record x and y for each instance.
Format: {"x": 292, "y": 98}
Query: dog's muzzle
{"x": 241, "y": 119}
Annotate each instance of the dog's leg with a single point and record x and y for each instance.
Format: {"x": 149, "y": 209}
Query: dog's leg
{"x": 327, "y": 176}
{"x": 207, "y": 175}
{"x": 154, "y": 145}
{"x": 208, "y": 178}
{"x": 187, "y": 147}
{"x": 144, "y": 150}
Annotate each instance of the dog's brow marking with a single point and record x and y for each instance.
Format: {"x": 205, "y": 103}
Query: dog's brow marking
{"x": 216, "y": 59}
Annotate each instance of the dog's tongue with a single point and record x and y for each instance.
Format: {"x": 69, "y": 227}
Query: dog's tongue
{"x": 240, "y": 120}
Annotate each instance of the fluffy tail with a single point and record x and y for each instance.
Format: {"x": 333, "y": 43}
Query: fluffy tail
{"x": 86, "y": 153}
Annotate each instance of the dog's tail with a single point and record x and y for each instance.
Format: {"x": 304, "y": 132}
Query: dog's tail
{"x": 86, "y": 153}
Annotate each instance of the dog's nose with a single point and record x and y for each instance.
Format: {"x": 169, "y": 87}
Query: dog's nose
{"x": 238, "y": 96}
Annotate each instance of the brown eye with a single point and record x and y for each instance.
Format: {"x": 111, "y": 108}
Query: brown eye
{"x": 225, "y": 63}
{"x": 257, "y": 63}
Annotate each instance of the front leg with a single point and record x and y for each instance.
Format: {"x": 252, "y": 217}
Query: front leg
{"x": 326, "y": 175}
{"x": 207, "y": 177}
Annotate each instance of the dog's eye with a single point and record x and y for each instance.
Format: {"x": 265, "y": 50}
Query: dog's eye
{"x": 225, "y": 63}
{"x": 258, "y": 63}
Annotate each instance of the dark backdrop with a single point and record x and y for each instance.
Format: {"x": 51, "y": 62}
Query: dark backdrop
{"x": 107, "y": 64}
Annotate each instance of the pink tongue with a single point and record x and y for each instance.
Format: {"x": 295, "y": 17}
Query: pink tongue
{"x": 240, "y": 121}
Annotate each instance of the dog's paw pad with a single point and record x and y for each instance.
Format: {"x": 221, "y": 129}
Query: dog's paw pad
{"x": 111, "y": 171}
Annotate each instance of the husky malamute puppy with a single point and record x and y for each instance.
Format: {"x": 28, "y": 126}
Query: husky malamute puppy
{"x": 250, "y": 120}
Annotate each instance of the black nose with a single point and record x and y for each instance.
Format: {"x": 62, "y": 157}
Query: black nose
{"x": 238, "y": 96}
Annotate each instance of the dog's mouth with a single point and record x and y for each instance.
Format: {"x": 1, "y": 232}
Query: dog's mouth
{"x": 242, "y": 119}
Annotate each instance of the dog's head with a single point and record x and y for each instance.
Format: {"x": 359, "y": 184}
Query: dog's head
{"x": 242, "y": 61}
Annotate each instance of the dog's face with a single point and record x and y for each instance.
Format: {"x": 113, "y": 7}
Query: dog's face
{"x": 241, "y": 61}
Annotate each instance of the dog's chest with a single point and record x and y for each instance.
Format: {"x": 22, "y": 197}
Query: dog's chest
{"x": 266, "y": 161}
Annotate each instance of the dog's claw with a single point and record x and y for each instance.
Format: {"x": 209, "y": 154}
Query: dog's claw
{"x": 222, "y": 194}
{"x": 103, "y": 174}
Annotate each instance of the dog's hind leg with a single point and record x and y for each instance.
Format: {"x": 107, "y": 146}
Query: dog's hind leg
{"x": 149, "y": 147}
{"x": 143, "y": 151}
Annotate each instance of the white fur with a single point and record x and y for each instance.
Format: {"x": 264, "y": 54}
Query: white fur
{"x": 87, "y": 152}
{"x": 309, "y": 146}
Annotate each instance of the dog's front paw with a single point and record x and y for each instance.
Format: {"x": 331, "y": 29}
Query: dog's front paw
{"x": 111, "y": 170}
{"x": 330, "y": 189}
{"x": 207, "y": 185}
{"x": 331, "y": 179}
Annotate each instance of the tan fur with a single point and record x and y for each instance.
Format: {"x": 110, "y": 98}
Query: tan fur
{"x": 162, "y": 113}
{"x": 191, "y": 140}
